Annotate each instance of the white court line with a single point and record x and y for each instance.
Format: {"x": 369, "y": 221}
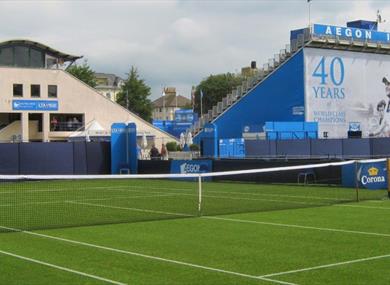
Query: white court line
{"x": 327, "y": 265}
{"x": 92, "y": 199}
{"x": 62, "y": 268}
{"x": 149, "y": 256}
{"x": 168, "y": 194}
{"x": 295, "y": 226}
{"x": 240, "y": 220}
{"x": 236, "y": 220}
{"x": 130, "y": 209}
{"x": 130, "y": 187}
{"x": 361, "y": 206}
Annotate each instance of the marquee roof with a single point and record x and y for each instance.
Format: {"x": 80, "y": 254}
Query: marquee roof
{"x": 40, "y": 46}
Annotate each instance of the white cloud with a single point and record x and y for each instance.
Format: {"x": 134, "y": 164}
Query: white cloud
{"x": 176, "y": 43}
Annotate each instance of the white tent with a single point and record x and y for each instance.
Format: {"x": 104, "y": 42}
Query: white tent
{"x": 92, "y": 129}
{"x": 189, "y": 139}
{"x": 182, "y": 140}
{"x": 144, "y": 141}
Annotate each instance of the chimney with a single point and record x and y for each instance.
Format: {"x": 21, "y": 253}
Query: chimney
{"x": 253, "y": 64}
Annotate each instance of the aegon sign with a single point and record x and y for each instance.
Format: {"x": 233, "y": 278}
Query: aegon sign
{"x": 352, "y": 33}
{"x": 35, "y": 105}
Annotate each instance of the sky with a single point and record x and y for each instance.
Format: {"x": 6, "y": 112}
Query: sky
{"x": 175, "y": 43}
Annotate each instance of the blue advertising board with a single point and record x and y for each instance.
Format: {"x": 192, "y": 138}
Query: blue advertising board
{"x": 119, "y": 151}
{"x": 370, "y": 175}
{"x": 35, "y": 105}
{"x": 132, "y": 148}
{"x": 191, "y": 166}
{"x": 209, "y": 140}
{"x": 351, "y": 33}
{"x": 124, "y": 156}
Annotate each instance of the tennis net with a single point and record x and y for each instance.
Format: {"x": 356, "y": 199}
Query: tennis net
{"x": 29, "y": 202}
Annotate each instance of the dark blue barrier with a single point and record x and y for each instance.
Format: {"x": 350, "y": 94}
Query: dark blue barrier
{"x": 9, "y": 158}
{"x": 257, "y": 148}
{"x": 356, "y": 147}
{"x": 55, "y": 158}
{"x": 80, "y": 158}
{"x": 293, "y": 147}
{"x": 46, "y": 158}
{"x": 380, "y": 147}
{"x": 341, "y": 148}
{"x": 98, "y": 158}
{"x": 329, "y": 147}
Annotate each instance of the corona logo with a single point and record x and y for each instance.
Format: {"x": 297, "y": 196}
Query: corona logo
{"x": 372, "y": 177}
{"x": 373, "y": 171}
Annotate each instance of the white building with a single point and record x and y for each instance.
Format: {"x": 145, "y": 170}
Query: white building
{"x": 165, "y": 106}
{"x": 40, "y": 101}
{"x": 108, "y": 85}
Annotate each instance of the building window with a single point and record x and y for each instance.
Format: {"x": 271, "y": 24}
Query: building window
{"x": 36, "y": 58}
{"x": 22, "y": 56}
{"x": 35, "y": 90}
{"x": 18, "y": 90}
{"x": 52, "y": 91}
{"x": 6, "y": 56}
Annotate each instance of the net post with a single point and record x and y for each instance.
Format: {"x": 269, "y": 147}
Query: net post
{"x": 388, "y": 177}
{"x": 356, "y": 181}
{"x": 199, "y": 195}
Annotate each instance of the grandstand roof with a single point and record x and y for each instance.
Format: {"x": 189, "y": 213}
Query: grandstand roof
{"x": 47, "y": 49}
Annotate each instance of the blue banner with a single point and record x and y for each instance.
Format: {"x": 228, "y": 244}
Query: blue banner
{"x": 35, "y": 105}
{"x": 119, "y": 150}
{"x": 351, "y": 33}
{"x": 371, "y": 175}
{"x": 132, "y": 148}
{"x": 190, "y": 167}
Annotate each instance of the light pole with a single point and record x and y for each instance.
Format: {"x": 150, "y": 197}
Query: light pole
{"x": 163, "y": 95}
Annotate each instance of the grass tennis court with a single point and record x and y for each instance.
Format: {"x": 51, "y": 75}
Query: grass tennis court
{"x": 151, "y": 232}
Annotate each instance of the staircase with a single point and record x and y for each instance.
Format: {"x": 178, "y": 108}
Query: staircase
{"x": 251, "y": 82}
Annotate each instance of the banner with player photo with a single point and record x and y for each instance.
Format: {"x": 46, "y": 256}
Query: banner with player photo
{"x": 347, "y": 91}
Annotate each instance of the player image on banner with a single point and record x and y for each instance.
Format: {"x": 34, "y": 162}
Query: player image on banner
{"x": 380, "y": 123}
{"x": 344, "y": 88}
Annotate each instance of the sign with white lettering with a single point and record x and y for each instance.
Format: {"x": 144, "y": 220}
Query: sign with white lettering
{"x": 344, "y": 89}
{"x": 34, "y": 105}
{"x": 350, "y": 33}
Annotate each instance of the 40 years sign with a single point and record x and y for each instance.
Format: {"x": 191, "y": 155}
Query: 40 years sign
{"x": 344, "y": 87}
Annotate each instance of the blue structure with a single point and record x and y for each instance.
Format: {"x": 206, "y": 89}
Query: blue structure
{"x": 232, "y": 148}
{"x": 291, "y": 130}
{"x": 312, "y": 91}
{"x": 208, "y": 141}
{"x": 124, "y": 148}
{"x": 274, "y": 99}
{"x": 184, "y": 119}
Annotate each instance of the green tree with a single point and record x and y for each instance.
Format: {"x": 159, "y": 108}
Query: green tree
{"x": 134, "y": 95}
{"x": 83, "y": 72}
{"x": 214, "y": 88}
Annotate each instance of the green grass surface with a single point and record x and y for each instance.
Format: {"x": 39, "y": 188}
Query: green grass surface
{"x": 150, "y": 232}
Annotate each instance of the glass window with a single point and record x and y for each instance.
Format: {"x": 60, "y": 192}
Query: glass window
{"x": 35, "y": 90}
{"x": 52, "y": 91}
{"x": 21, "y": 56}
{"x": 36, "y": 58}
{"x": 6, "y": 56}
{"x": 18, "y": 90}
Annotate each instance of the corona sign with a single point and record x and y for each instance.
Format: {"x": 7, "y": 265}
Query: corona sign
{"x": 373, "y": 176}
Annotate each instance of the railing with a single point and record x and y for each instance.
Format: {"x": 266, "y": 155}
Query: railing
{"x": 241, "y": 90}
{"x": 65, "y": 126}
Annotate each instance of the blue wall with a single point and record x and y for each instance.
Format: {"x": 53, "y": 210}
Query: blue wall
{"x": 271, "y": 100}
{"x": 55, "y": 158}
